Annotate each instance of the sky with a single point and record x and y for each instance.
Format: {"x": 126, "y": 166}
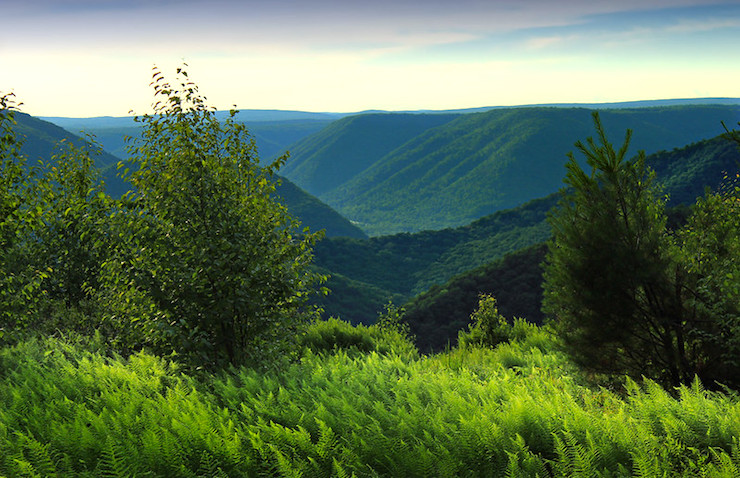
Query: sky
{"x": 84, "y": 58}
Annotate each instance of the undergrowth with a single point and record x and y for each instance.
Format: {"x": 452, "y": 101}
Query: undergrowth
{"x": 366, "y": 407}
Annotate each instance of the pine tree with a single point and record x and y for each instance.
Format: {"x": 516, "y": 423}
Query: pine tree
{"x": 610, "y": 281}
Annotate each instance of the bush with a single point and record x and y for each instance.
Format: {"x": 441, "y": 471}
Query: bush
{"x": 488, "y": 328}
{"x": 332, "y": 335}
{"x": 216, "y": 267}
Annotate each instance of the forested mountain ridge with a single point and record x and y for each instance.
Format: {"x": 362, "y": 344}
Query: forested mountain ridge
{"x": 315, "y": 214}
{"x": 42, "y": 138}
{"x": 396, "y": 172}
{"x": 515, "y": 280}
{"x": 405, "y": 265}
{"x": 686, "y": 172}
{"x": 479, "y": 163}
{"x": 344, "y": 149}
{"x": 400, "y": 266}
{"x": 367, "y": 273}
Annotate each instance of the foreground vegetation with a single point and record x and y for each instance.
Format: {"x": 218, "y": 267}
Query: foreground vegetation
{"x": 359, "y": 402}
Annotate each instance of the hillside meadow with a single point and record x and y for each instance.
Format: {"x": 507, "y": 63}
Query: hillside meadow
{"x": 356, "y": 401}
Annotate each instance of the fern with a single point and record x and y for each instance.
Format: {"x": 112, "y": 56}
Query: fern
{"x": 209, "y": 467}
{"x": 463, "y": 413}
{"x": 522, "y": 463}
{"x": 726, "y": 464}
{"x": 339, "y": 471}
{"x": 38, "y": 456}
{"x": 575, "y": 459}
{"x": 283, "y": 465}
{"x": 112, "y": 463}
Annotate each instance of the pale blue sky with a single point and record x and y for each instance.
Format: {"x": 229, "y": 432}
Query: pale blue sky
{"x": 94, "y": 57}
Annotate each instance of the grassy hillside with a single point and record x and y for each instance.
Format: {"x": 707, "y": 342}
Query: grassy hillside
{"x": 409, "y": 264}
{"x": 347, "y": 147}
{"x": 358, "y": 403}
{"x": 473, "y": 165}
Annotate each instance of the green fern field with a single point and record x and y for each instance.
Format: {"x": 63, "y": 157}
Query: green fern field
{"x": 359, "y": 402}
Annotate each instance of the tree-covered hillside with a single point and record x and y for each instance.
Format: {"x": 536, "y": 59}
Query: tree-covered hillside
{"x": 401, "y": 266}
{"x": 409, "y": 264}
{"x": 437, "y": 315}
{"x": 473, "y": 165}
{"x": 346, "y": 148}
{"x": 315, "y": 214}
{"x": 686, "y": 172}
{"x": 41, "y": 140}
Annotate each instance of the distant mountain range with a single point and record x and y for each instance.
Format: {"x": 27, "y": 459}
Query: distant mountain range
{"x": 273, "y": 131}
{"x": 448, "y": 170}
{"x": 277, "y": 130}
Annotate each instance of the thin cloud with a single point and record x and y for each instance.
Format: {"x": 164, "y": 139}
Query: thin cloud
{"x": 697, "y": 26}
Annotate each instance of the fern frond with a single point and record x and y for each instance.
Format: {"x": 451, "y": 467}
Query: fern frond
{"x": 209, "y": 467}
{"x": 112, "y": 463}
{"x": 38, "y": 456}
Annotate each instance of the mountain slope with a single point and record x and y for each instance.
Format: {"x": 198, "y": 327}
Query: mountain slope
{"x": 475, "y": 164}
{"x": 686, "y": 172}
{"x": 347, "y": 147}
{"x": 408, "y": 264}
{"x": 42, "y": 138}
{"x": 404, "y": 265}
{"x": 315, "y": 214}
{"x": 515, "y": 281}
{"x": 272, "y": 134}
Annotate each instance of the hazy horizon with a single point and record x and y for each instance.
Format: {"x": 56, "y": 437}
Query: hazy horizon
{"x": 87, "y": 58}
{"x": 627, "y": 103}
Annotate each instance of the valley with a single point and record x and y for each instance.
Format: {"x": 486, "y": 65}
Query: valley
{"x": 471, "y": 189}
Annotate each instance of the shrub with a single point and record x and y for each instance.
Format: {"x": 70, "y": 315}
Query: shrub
{"x": 488, "y": 328}
{"x": 216, "y": 267}
{"x": 332, "y": 335}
